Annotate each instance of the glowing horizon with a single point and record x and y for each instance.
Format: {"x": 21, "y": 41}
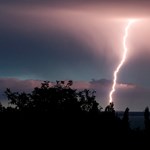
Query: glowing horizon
{"x": 122, "y": 60}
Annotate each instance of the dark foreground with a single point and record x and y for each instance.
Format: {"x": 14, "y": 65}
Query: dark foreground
{"x": 59, "y": 117}
{"x": 70, "y": 131}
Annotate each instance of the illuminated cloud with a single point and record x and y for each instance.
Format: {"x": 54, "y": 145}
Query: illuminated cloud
{"x": 127, "y": 95}
{"x": 18, "y": 85}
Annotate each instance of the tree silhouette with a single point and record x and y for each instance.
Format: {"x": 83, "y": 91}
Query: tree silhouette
{"x": 2, "y": 108}
{"x": 20, "y": 101}
{"x": 110, "y": 108}
{"x": 87, "y": 101}
{"x": 125, "y": 120}
{"x": 146, "y": 119}
{"x": 54, "y": 98}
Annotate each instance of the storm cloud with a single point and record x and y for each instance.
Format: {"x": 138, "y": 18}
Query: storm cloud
{"x": 78, "y": 40}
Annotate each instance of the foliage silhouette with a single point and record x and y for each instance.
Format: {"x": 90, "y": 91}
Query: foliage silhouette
{"x": 59, "y": 110}
{"x": 125, "y": 120}
{"x": 55, "y": 98}
{"x": 110, "y": 108}
{"x": 146, "y": 119}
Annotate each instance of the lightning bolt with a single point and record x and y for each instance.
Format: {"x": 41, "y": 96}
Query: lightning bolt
{"x": 125, "y": 50}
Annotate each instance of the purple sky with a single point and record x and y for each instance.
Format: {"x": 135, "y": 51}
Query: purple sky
{"x": 79, "y": 40}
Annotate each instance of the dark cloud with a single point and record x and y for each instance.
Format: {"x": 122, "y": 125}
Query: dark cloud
{"x": 117, "y": 7}
{"x": 72, "y": 1}
{"x": 58, "y": 55}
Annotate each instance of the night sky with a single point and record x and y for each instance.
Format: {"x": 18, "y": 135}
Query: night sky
{"x": 79, "y": 40}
